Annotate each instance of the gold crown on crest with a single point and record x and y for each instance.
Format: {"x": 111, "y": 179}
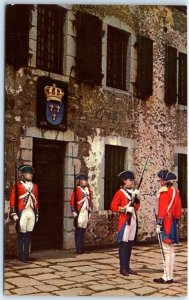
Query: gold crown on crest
{"x": 53, "y": 93}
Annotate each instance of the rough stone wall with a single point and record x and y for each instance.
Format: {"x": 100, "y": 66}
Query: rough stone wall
{"x": 96, "y": 114}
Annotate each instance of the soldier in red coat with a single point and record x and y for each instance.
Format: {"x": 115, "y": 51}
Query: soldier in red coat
{"x": 169, "y": 213}
{"x": 24, "y": 210}
{"x": 127, "y": 223}
{"x": 81, "y": 206}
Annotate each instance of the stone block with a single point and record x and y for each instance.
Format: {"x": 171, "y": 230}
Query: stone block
{"x": 68, "y": 224}
{"x": 71, "y": 46}
{"x": 142, "y": 291}
{"x": 32, "y": 60}
{"x": 68, "y": 181}
{"x": 22, "y": 281}
{"x": 68, "y": 166}
{"x": 68, "y": 240}
{"x": 33, "y": 33}
{"x": 67, "y": 210}
{"x": 71, "y": 29}
{"x": 25, "y": 291}
{"x": 67, "y": 194}
{"x": 70, "y": 65}
{"x": 72, "y": 150}
{"x": 74, "y": 292}
{"x": 47, "y": 288}
{"x": 45, "y": 277}
{"x": 67, "y": 136}
{"x": 34, "y": 18}
{"x": 33, "y": 45}
{"x": 26, "y": 155}
{"x": 33, "y": 132}
{"x": 26, "y": 143}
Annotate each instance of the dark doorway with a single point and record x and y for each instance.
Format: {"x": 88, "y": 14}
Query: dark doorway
{"x": 114, "y": 164}
{"x": 48, "y": 161}
{"x": 182, "y": 178}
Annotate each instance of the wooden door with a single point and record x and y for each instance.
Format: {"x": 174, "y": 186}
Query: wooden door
{"x": 48, "y": 161}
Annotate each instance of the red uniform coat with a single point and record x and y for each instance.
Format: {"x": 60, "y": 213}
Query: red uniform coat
{"x": 22, "y": 202}
{"x": 165, "y": 197}
{"x": 79, "y": 196}
{"x": 118, "y": 200}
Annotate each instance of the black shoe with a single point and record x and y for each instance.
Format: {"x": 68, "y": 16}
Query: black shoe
{"x": 160, "y": 280}
{"x": 79, "y": 252}
{"x": 169, "y": 281}
{"x": 124, "y": 273}
{"x": 132, "y": 272}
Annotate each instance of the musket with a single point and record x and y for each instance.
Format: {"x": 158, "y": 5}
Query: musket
{"x": 138, "y": 187}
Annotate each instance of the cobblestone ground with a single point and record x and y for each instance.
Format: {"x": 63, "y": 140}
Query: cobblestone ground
{"x": 95, "y": 273}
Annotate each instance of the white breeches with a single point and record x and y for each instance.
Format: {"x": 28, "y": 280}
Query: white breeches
{"x": 27, "y": 220}
{"x": 169, "y": 261}
{"x": 130, "y": 231}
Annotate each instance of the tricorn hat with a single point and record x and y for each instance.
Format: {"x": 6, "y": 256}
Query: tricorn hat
{"x": 26, "y": 169}
{"x": 126, "y": 175}
{"x": 166, "y": 175}
{"x": 81, "y": 176}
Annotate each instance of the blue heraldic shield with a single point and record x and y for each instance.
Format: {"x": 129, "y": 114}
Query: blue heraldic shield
{"x": 54, "y": 112}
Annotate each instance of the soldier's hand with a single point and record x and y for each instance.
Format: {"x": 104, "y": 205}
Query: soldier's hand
{"x": 15, "y": 217}
{"x": 158, "y": 229}
{"x": 130, "y": 209}
{"x": 74, "y": 214}
{"x": 136, "y": 192}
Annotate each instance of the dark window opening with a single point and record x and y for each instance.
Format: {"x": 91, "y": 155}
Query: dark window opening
{"x": 17, "y": 34}
{"x": 89, "y": 48}
{"x": 182, "y": 178}
{"x": 182, "y": 79}
{"x": 50, "y": 23}
{"x": 117, "y": 48}
{"x": 114, "y": 164}
{"x": 145, "y": 68}
{"x": 171, "y": 75}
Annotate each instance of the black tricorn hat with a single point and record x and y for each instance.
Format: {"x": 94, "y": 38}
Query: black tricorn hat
{"x": 166, "y": 175}
{"x": 81, "y": 176}
{"x": 126, "y": 175}
{"x": 26, "y": 169}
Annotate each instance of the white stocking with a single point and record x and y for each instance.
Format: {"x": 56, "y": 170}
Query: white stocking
{"x": 172, "y": 260}
{"x": 167, "y": 263}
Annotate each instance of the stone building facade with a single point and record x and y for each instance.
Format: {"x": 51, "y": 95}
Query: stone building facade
{"x": 99, "y": 116}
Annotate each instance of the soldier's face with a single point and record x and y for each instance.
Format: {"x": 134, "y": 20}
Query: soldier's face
{"x": 28, "y": 176}
{"x": 128, "y": 183}
{"x": 83, "y": 182}
{"x": 162, "y": 182}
